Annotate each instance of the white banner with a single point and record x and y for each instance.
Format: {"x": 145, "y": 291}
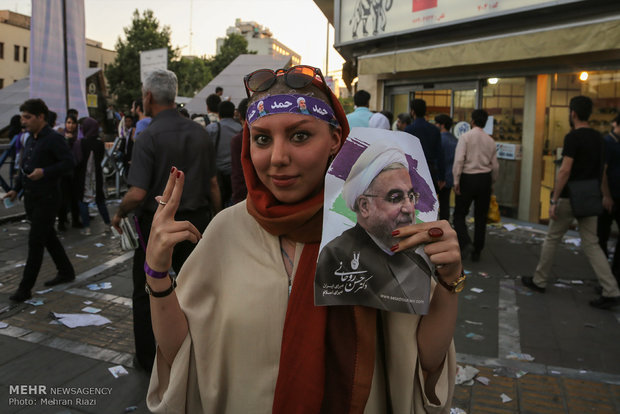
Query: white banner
{"x": 360, "y": 20}
{"x": 151, "y": 60}
{"x": 47, "y": 76}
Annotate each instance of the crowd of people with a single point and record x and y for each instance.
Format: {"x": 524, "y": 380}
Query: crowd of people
{"x": 230, "y": 205}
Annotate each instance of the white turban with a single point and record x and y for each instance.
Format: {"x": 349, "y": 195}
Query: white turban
{"x": 372, "y": 161}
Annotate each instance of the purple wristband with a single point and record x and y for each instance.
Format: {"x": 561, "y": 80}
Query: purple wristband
{"x": 153, "y": 273}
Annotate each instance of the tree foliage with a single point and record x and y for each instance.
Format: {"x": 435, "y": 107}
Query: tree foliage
{"x": 234, "y": 45}
{"x": 193, "y": 73}
{"x": 143, "y": 34}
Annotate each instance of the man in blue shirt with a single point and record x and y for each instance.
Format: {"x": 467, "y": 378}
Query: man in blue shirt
{"x": 361, "y": 115}
{"x": 448, "y": 142}
{"x": 143, "y": 121}
{"x": 430, "y": 138}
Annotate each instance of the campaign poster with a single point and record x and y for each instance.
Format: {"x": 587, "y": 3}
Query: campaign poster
{"x": 378, "y": 182}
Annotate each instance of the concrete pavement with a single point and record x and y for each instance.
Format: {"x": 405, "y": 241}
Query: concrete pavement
{"x": 574, "y": 364}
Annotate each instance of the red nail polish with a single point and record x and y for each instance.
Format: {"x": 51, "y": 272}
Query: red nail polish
{"x": 178, "y": 174}
{"x": 395, "y": 233}
{"x": 394, "y": 248}
{"x": 172, "y": 170}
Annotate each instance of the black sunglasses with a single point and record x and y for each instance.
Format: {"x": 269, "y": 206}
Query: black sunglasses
{"x": 296, "y": 77}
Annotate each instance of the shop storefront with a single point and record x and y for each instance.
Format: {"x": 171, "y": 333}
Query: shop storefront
{"x": 521, "y": 61}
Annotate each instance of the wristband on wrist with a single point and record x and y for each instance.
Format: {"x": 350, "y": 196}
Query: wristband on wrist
{"x": 153, "y": 273}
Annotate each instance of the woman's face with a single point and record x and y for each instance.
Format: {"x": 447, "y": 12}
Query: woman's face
{"x": 290, "y": 154}
{"x": 70, "y": 125}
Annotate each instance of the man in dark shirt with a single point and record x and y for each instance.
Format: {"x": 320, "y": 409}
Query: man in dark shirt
{"x": 430, "y": 138}
{"x": 611, "y": 201}
{"x": 582, "y": 160}
{"x": 45, "y": 159}
{"x": 448, "y": 142}
{"x": 239, "y": 189}
{"x": 169, "y": 141}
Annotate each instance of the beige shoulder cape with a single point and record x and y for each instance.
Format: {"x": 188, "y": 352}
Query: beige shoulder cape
{"x": 234, "y": 292}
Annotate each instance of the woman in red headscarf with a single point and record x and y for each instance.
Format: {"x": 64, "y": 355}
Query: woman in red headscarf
{"x": 240, "y": 333}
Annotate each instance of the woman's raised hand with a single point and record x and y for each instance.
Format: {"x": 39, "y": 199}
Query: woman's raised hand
{"x": 165, "y": 231}
{"x": 442, "y": 246}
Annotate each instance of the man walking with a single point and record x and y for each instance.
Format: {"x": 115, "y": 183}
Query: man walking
{"x": 170, "y": 141}
{"x": 45, "y": 160}
{"x": 221, "y": 134}
{"x": 448, "y": 142}
{"x": 475, "y": 170}
{"x": 431, "y": 142}
{"x": 213, "y": 102}
{"x": 582, "y": 160}
{"x": 361, "y": 115}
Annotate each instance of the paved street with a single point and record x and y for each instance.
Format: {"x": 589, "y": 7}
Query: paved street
{"x": 574, "y": 366}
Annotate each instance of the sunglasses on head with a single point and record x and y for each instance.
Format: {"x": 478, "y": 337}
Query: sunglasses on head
{"x": 296, "y": 77}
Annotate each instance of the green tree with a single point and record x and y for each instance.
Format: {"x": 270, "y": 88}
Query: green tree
{"x": 143, "y": 34}
{"x": 234, "y": 45}
{"x": 193, "y": 74}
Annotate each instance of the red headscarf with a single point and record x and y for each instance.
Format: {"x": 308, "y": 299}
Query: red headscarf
{"x": 327, "y": 354}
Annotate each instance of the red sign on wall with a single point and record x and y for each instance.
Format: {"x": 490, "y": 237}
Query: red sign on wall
{"x": 419, "y": 5}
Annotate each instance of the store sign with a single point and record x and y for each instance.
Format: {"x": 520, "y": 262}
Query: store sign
{"x": 360, "y": 20}
{"x": 91, "y": 100}
{"x": 509, "y": 151}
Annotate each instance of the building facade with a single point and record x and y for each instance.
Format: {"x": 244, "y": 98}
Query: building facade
{"x": 15, "y": 49}
{"x": 520, "y": 60}
{"x": 260, "y": 40}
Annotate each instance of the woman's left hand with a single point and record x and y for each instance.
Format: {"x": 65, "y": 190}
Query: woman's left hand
{"x": 442, "y": 246}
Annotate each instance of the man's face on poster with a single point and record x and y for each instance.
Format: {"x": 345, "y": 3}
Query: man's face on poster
{"x": 387, "y": 204}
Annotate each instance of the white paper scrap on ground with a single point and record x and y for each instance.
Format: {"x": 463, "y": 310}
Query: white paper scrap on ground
{"x": 505, "y": 398}
{"x": 99, "y": 244}
{"x": 118, "y": 371}
{"x": 105, "y": 285}
{"x": 477, "y": 290}
{"x": 465, "y": 374}
{"x": 473, "y": 322}
{"x": 20, "y": 265}
{"x": 575, "y": 241}
{"x": 3, "y": 325}
{"x": 510, "y": 227}
{"x": 42, "y": 292}
{"x": 87, "y": 302}
{"x": 93, "y": 286}
{"x": 519, "y": 356}
{"x": 483, "y": 380}
{"x": 34, "y": 302}
{"x": 90, "y": 309}
{"x": 457, "y": 410}
{"x": 74, "y": 320}
{"x": 81, "y": 256}
{"x": 577, "y": 282}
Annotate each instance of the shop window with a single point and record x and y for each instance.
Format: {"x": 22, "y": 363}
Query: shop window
{"x": 1, "y": 50}
{"x": 92, "y": 64}
{"x": 25, "y": 54}
{"x": 16, "y": 53}
{"x": 504, "y": 102}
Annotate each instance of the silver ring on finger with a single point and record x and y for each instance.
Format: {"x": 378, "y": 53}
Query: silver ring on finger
{"x": 163, "y": 203}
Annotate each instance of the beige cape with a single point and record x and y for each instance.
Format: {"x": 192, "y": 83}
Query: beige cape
{"x": 234, "y": 292}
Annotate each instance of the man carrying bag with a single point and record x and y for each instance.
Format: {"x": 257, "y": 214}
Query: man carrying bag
{"x": 579, "y": 174}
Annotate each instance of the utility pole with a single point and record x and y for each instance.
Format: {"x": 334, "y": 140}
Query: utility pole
{"x": 66, "y": 59}
{"x": 327, "y": 50}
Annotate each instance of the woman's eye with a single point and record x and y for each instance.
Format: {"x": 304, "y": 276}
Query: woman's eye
{"x": 300, "y": 136}
{"x": 262, "y": 139}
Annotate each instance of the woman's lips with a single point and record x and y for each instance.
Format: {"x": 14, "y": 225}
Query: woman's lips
{"x": 283, "y": 180}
